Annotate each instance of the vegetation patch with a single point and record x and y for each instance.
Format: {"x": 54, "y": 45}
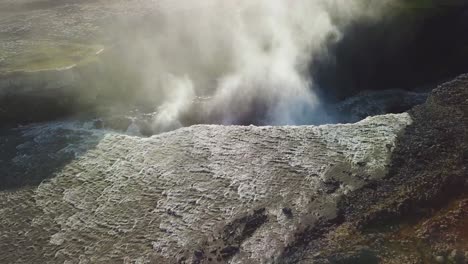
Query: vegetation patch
{"x": 46, "y": 55}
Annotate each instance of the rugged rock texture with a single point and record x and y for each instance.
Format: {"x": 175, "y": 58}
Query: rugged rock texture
{"x": 418, "y": 212}
{"x": 203, "y": 193}
{"x": 389, "y": 189}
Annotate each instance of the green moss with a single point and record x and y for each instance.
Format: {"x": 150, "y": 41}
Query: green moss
{"x": 47, "y": 55}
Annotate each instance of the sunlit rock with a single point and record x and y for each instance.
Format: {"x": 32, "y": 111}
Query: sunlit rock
{"x": 231, "y": 193}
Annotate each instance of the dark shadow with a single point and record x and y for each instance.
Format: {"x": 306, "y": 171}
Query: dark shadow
{"x": 430, "y": 157}
{"x": 410, "y": 50}
{"x": 363, "y": 256}
{"x": 428, "y": 173}
{"x": 34, "y": 153}
{"x": 23, "y": 108}
{"x": 428, "y": 170}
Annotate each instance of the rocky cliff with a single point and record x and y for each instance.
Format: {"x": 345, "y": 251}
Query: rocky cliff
{"x": 389, "y": 189}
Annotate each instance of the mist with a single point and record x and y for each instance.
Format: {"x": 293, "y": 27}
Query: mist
{"x": 235, "y": 62}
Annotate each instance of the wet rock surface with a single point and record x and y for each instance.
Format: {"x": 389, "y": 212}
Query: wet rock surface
{"x": 389, "y": 189}
{"x": 198, "y": 194}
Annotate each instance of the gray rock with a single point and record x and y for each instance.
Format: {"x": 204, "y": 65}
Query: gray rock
{"x": 195, "y": 193}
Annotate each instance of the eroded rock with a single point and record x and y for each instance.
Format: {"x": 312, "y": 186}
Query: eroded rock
{"x": 198, "y": 193}
{"x": 389, "y": 189}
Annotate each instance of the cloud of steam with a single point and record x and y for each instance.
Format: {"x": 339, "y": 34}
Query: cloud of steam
{"x": 239, "y": 61}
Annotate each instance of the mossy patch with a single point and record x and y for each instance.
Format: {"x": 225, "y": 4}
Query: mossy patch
{"x": 45, "y": 55}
